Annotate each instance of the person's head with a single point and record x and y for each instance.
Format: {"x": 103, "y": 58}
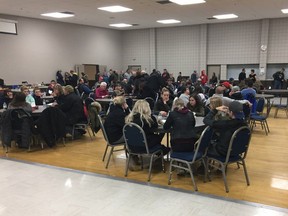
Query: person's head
{"x": 165, "y": 94}
{"x": 118, "y": 87}
{"x": 103, "y": 85}
{"x": 178, "y": 104}
{"x": 52, "y": 83}
{"x": 8, "y": 93}
{"x": 119, "y": 100}
{"x": 219, "y": 90}
{"x": 169, "y": 81}
{"x": 194, "y": 100}
{"x": 226, "y": 85}
{"x": 236, "y": 110}
{"x": 243, "y": 70}
{"x": 37, "y": 91}
{"x": 19, "y": 99}
{"x": 282, "y": 70}
{"x": 25, "y": 90}
{"x": 82, "y": 73}
{"x": 58, "y": 90}
{"x": 186, "y": 90}
{"x": 235, "y": 89}
{"x": 250, "y": 83}
{"x": 252, "y": 71}
{"x": 142, "y": 108}
{"x": 215, "y": 102}
{"x": 68, "y": 89}
{"x": 180, "y": 73}
{"x": 81, "y": 81}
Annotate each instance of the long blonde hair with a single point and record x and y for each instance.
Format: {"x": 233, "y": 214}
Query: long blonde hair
{"x": 142, "y": 107}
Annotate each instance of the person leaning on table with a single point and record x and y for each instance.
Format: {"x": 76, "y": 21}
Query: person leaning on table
{"x": 224, "y": 129}
{"x": 181, "y": 122}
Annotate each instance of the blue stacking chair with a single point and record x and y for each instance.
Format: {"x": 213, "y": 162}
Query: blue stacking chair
{"x": 237, "y": 152}
{"x": 136, "y": 144}
{"x": 180, "y": 159}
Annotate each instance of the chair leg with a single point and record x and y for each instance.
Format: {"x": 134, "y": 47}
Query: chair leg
{"x": 264, "y": 125}
{"x": 170, "y": 172}
{"x": 205, "y": 168}
{"x": 192, "y": 177}
{"x": 87, "y": 129}
{"x": 111, "y": 152}
{"x": 265, "y": 122}
{"x": 150, "y": 167}
{"x": 163, "y": 164}
{"x": 127, "y": 165}
{"x": 73, "y": 132}
{"x": 245, "y": 172}
{"x": 224, "y": 177}
{"x": 105, "y": 152}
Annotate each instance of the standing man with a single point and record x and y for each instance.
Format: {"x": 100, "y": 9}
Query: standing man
{"x": 279, "y": 79}
{"x": 242, "y": 75}
{"x": 194, "y": 77}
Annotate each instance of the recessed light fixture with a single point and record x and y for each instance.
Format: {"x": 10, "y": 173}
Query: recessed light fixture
{"x": 120, "y": 25}
{"x": 187, "y": 2}
{"x": 285, "y": 11}
{"x": 226, "y": 16}
{"x": 59, "y": 14}
{"x": 115, "y": 9}
{"x": 168, "y": 21}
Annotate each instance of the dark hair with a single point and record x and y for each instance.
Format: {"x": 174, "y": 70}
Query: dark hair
{"x": 196, "y": 97}
{"x": 252, "y": 70}
{"x": 18, "y": 100}
{"x": 250, "y": 83}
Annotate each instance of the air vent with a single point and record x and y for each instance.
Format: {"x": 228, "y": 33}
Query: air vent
{"x": 135, "y": 24}
{"x": 164, "y": 2}
{"x": 211, "y": 18}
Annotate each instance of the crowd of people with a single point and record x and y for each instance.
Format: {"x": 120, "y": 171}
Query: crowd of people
{"x": 179, "y": 101}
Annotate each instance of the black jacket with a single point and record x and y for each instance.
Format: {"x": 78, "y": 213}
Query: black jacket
{"x": 115, "y": 122}
{"x": 73, "y": 108}
{"x": 224, "y": 130}
{"x": 160, "y": 106}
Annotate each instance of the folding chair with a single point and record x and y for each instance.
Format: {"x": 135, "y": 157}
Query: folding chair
{"x": 237, "y": 152}
{"x": 179, "y": 159}
{"x": 108, "y": 143}
{"x": 136, "y": 144}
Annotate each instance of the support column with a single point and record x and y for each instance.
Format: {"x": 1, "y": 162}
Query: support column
{"x": 203, "y": 48}
{"x": 263, "y": 49}
{"x": 152, "y": 50}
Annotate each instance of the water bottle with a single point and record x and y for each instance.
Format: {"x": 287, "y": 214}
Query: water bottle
{"x": 4, "y": 105}
{"x": 44, "y": 103}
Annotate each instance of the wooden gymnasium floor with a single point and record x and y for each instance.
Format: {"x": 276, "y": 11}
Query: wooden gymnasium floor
{"x": 266, "y": 162}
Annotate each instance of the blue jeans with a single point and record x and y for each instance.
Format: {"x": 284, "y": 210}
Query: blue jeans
{"x": 277, "y": 84}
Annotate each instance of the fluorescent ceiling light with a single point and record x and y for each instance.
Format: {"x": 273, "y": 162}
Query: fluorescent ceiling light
{"x": 120, "y": 25}
{"x": 115, "y": 9}
{"x": 187, "y": 2}
{"x": 59, "y": 14}
{"x": 285, "y": 11}
{"x": 225, "y": 16}
{"x": 168, "y": 21}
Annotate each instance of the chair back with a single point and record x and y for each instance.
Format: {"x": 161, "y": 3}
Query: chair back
{"x": 247, "y": 112}
{"x": 251, "y": 98}
{"x": 151, "y": 102}
{"x": 203, "y": 142}
{"x": 88, "y": 102}
{"x": 103, "y": 129}
{"x": 239, "y": 143}
{"x": 129, "y": 102}
{"x": 77, "y": 91}
{"x": 135, "y": 138}
{"x": 17, "y": 116}
{"x": 260, "y": 105}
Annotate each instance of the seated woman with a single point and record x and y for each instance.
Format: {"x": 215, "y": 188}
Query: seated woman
{"x": 19, "y": 102}
{"x": 164, "y": 104}
{"x": 141, "y": 115}
{"x": 115, "y": 120}
{"x": 219, "y": 114}
{"x": 58, "y": 94}
{"x": 195, "y": 105}
{"x": 182, "y": 123}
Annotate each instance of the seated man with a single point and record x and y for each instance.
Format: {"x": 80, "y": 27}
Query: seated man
{"x": 37, "y": 96}
{"x": 224, "y": 129}
{"x": 73, "y": 108}
{"x": 101, "y": 91}
{"x": 50, "y": 88}
{"x": 82, "y": 87}
{"x": 29, "y": 97}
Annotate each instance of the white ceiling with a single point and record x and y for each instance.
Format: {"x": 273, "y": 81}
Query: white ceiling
{"x": 145, "y": 12}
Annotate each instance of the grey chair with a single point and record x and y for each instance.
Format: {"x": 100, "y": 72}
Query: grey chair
{"x": 136, "y": 144}
{"x": 237, "y": 152}
{"x": 109, "y": 144}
